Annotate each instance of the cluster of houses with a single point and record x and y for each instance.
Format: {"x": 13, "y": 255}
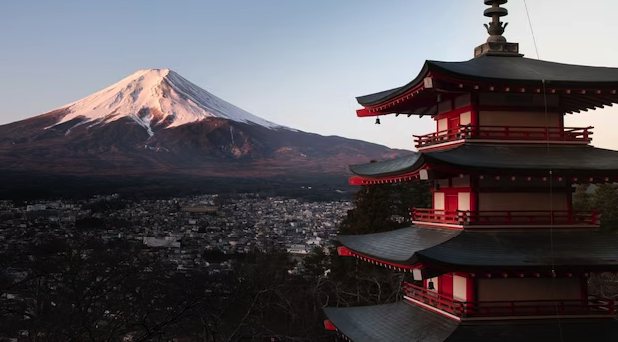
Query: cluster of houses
{"x": 187, "y": 231}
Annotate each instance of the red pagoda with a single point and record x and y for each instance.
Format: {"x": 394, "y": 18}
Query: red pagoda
{"x": 501, "y": 255}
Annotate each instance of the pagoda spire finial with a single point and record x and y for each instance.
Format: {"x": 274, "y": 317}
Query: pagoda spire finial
{"x": 496, "y": 27}
{"x": 496, "y": 44}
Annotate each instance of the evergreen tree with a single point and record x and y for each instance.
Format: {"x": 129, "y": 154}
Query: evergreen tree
{"x": 411, "y": 195}
{"x": 605, "y": 199}
{"x": 378, "y": 208}
{"x": 372, "y": 212}
{"x": 384, "y": 207}
{"x": 582, "y": 198}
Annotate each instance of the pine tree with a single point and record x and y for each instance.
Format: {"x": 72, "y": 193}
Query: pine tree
{"x": 384, "y": 207}
{"x": 372, "y": 211}
{"x": 582, "y": 198}
{"x": 411, "y": 195}
{"x": 605, "y": 199}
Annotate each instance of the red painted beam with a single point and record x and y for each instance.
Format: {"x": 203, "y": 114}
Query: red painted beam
{"x": 364, "y": 112}
{"x": 344, "y": 251}
{"x": 359, "y": 180}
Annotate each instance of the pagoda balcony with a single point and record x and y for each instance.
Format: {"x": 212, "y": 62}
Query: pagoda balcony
{"x": 506, "y": 133}
{"x": 517, "y": 308}
{"x": 505, "y": 218}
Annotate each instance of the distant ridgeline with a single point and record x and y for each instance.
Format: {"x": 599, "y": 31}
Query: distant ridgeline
{"x": 27, "y": 185}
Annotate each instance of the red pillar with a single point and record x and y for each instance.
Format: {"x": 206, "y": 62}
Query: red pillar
{"x": 474, "y": 114}
{"x": 584, "y": 287}
{"x": 569, "y": 196}
{"x": 474, "y": 193}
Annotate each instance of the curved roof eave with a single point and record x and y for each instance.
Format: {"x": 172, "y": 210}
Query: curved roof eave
{"x": 524, "y": 250}
{"x": 522, "y": 70}
{"x": 398, "y": 322}
{"x": 398, "y": 246}
{"x": 390, "y": 167}
{"x": 505, "y": 249}
{"x": 566, "y": 160}
{"x": 377, "y": 98}
{"x": 405, "y": 321}
{"x": 501, "y": 69}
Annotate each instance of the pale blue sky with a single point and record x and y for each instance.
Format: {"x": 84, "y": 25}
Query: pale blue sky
{"x": 297, "y": 63}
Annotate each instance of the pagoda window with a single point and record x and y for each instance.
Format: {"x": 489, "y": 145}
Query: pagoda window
{"x": 465, "y": 118}
{"x": 463, "y": 201}
{"x": 449, "y": 123}
{"x": 453, "y": 198}
{"x": 442, "y": 126}
{"x": 460, "y": 288}
{"x": 438, "y": 200}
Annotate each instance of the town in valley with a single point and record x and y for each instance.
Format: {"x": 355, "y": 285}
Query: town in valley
{"x": 186, "y": 230}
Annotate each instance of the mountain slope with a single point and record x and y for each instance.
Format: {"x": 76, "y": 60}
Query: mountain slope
{"x": 154, "y": 122}
{"x": 156, "y": 97}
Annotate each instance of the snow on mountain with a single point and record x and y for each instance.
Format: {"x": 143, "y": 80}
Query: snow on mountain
{"x": 155, "y": 96}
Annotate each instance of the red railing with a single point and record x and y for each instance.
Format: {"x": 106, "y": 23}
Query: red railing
{"x": 433, "y": 299}
{"x": 591, "y": 306}
{"x": 512, "y": 217}
{"x": 567, "y": 134}
{"x": 438, "y": 216}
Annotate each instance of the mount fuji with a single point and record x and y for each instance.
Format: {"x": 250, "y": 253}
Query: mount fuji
{"x": 153, "y": 127}
{"x": 156, "y": 97}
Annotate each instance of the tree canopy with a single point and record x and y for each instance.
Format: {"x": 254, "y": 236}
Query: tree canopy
{"x": 384, "y": 207}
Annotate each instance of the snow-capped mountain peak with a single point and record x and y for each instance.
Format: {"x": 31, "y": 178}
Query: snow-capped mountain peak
{"x": 154, "y": 97}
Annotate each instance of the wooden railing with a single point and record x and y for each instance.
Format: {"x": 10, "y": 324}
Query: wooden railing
{"x": 512, "y": 217}
{"x": 433, "y": 299}
{"x": 526, "y": 133}
{"x": 438, "y": 216}
{"x": 562, "y": 307}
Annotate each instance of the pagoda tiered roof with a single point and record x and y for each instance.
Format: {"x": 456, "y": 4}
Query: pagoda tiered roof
{"x": 404, "y": 322}
{"x": 500, "y": 137}
{"x": 581, "y": 87}
{"x": 401, "y": 321}
{"x": 398, "y": 246}
{"x": 584, "y": 161}
{"x": 567, "y": 250}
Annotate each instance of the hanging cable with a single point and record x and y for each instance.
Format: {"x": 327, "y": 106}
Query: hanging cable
{"x": 550, "y": 174}
{"x": 536, "y": 47}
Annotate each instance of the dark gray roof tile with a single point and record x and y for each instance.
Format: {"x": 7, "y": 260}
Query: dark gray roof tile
{"x": 527, "y": 70}
{"x": 407, "y": 322}
{"x": 388, "y": 167}
{"x": 514, "y": 69}
{"x": 398, "y": 322}
{"x": 563, "y": 160}
{"x": 576, "y": 249}
{"x": 565, "y": 330}
{"x": 398, "y": 246}
{"x": 572, "y": 249}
